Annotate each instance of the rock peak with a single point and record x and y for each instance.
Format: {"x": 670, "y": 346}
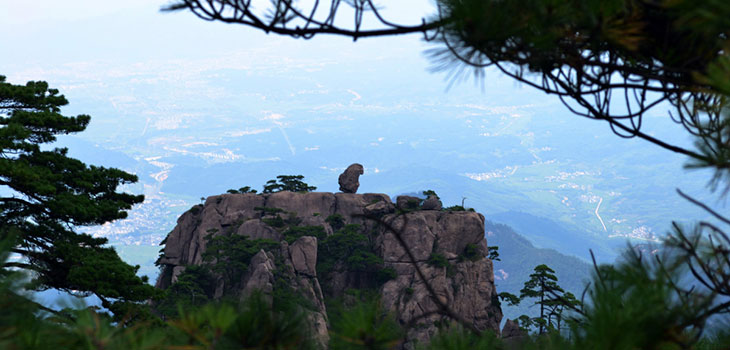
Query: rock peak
{"x": 301, "y": 229}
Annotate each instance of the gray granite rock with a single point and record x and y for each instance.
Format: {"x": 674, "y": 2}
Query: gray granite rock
{"x": 407, "y": 202}
{"x": 512, "y": 335}
{"x": 432, "y": 203}
{"x": 349, "y": 180}
{"x": 303, "y": 253}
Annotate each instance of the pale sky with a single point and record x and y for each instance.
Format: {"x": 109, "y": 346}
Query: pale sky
{"x": 22, "y": 12}
{"x": 15, "y": 12}
{"x": 50, "y": 33}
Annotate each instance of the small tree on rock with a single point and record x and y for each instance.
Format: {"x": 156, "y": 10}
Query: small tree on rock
{"x": 291, "y": 183}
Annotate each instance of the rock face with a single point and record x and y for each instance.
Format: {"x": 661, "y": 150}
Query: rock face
{"x": 438, "y": 242}
{"x": 349, "y": 180}
{"x": 513, "y": 335}
{"x": 466, "y": 286}
{"x": 432, "y": 203}
{"x": 407, "y": 202}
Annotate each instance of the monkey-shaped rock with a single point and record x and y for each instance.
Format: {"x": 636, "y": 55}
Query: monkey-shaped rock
{"x": 349, "y": 180}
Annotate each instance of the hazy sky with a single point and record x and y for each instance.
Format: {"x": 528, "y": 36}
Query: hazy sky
{"x": 84, "y": 41}
{"x": 19, "y": 12}
{"x": 47, "y": 31}
{"x": 79, "y": 41}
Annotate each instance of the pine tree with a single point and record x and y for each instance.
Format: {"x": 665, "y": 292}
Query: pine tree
{"x": 292, "y": 183}
{"x": 47, "y": 195}
{"x": 542, "y": 285}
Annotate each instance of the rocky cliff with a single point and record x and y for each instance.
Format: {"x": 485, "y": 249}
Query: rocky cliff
{"x": 322, "y": 244}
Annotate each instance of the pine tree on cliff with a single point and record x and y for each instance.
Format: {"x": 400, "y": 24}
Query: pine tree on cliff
{"x": 292, "y": 183}
{"x": 542, "y": 285}
{"x": 47, "y": 195}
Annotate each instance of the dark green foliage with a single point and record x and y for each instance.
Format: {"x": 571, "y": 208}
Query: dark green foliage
{"x": 430, "y": 193}
{"x": 437, "y": 260}
{"x": 635, "y": 304}
{"x": 245, "y": 189}
{"x": 276, "y": 221}
{"x": 294, "y": 232}
{"x": 349, "y": 249}
{"x": 196, "y": 209}
{"x": 284, "y": 297}
{"x": 292, "y": 183}
{"x": 361, "y": 259}
{"x": 280, "y": 222}
{"x": 458, "y": 338}
{"x": 339, "y": 247}
{"x": 471, "y": 253}
{"x": 541, "y": 285}
{"x": 47, "y": 194}
{"x": 494, "y": 253}
{"x": 194, "y": 287}
{"x": 552, "y": 299}
{"x": 411, "y": 205}
{"x": 716, "y": 339}
{"x": 384, "y": 275}
{"x": 511, "y": 299}
{"x": 229, "y": 255}
{"x": 256, "y": 326}
{"x": 458, "y": 208}
{"x": 526, "y": 322}
{"x": 558, "y": 305}
{"x": 336, "y": 221}
{"x": 364, "y": 326}
{"x": 252, "y": 325}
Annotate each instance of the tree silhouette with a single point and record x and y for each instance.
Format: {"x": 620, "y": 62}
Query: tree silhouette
{"x": 292, "y": 183}
{"x": 557, "y": 305}
{"x": 287, "y": 18}
{"x": 542, "y": 285}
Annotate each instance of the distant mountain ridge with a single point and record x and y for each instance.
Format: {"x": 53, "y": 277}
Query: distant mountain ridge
{"x": 546, "y": 233}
